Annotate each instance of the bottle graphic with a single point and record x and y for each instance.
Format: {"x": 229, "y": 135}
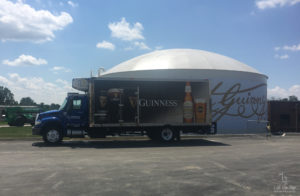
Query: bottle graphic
{"x": 188, "y": 108}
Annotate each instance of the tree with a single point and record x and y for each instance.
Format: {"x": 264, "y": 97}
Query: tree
{"x": 6, "y": 97}
{"x": 54, "y": 106}
{"x": 46, "y": 107}
{"x": 27, "y": 101}
{"x": 293, "y": 98}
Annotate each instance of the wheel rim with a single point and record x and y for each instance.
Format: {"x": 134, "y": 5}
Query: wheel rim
{"x": 53, "y": 136}
{"x": 167, "y": 134}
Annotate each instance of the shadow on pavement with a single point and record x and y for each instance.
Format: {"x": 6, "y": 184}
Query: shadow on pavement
{"x": 132, "y": 144}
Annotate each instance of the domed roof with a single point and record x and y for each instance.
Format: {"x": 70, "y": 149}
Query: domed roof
{"x": 180, "y": 59}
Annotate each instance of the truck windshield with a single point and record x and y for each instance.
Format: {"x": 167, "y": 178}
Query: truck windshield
{"x": 63, "y": 105}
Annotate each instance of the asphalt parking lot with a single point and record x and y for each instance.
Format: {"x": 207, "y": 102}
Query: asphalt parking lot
{"x": 248, "y": 165}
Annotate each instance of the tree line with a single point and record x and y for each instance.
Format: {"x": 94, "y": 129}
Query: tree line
{"x": 7, "y": 98}
{"x": 290, "y": 98}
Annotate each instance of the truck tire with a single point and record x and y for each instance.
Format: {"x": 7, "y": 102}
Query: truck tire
{"x": 20, "y": 121}
{"x": 167, "y": 134}
{"x": 52, "y": 135}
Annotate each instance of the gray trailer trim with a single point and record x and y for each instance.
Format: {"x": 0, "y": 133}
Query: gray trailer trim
{"x": 149, "y": 125}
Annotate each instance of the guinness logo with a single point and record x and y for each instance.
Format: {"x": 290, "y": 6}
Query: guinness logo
{"x": 238, "y": 102}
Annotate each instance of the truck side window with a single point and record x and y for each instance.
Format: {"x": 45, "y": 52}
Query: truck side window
{"x": 76, "y": 104}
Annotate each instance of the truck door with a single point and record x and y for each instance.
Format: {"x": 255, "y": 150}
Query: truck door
{"x": 76, "y": 113}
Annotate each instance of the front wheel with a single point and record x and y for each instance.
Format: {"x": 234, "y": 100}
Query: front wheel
{"x": 20, "y": 121}
{"x": 52, "y": 135}
{"x": 11, "y": 124}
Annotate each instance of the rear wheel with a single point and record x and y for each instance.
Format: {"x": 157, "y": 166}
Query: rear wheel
{"x": 52, "y": 135}
{"x": 167, "y": 134}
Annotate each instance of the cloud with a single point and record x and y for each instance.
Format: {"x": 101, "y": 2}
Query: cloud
{"x": 285, "y": 56}
{"x": 37, "y": 88}
{"x": 63, "y": 82}
{"x": 158, "y": 47}
{"x": 279, "y": 92}
{"x": 126, "y": 32}
{"x": 137, "y": 45}
{"x": 141, "y": 45}
{"x": 57, "y": 69}
{"x": 3, "y": 80}
{"x": 277, "y": 48}
{"x": 21, "y": 22}
{"x": 129, "y": 48}
{"x": 264, "y": 4}
{"x": 71, "y": 3}
{"x": 105, "y": 45}
{"x": 292, "y": 48}
{"x": 25, "y": 60}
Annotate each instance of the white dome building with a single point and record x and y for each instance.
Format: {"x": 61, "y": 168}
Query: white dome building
{"x": 238, "y": 91}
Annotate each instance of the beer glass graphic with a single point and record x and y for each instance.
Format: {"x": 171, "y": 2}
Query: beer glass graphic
{"x": 102, "y": 101}
{"x": 101, "y": 111}
{"x": 132, "y": 101}
{"x": 200, "y": 110}
{"x": 114, "y": 94}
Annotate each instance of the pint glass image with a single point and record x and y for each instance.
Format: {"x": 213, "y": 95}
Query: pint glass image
{"x": 200, "y": 110}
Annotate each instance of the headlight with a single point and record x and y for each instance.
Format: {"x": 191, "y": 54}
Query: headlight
{"x": 37, "y": 121}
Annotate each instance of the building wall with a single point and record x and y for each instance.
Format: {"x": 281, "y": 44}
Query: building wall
{"x": 284, "y": 115}
{"x": 239, "y": 105}
{"x": 239, "y": 99}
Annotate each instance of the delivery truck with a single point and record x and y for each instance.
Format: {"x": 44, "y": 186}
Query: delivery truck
{"x": 110, "y": 106}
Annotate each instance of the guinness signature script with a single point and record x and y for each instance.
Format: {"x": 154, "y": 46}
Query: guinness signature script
{"x": 239, "y": 102}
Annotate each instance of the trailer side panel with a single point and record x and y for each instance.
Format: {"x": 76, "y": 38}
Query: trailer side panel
{"x": 155, "y": 102}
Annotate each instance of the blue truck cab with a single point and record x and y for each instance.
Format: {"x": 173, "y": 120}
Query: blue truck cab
{"x": 71, "y": 119}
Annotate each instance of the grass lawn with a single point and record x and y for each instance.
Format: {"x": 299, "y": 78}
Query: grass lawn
{"x": 16, "y": 132}
{"x": 3, "y": 123}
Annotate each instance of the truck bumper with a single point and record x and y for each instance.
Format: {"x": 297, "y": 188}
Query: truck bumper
{"x": 36, "y": 131}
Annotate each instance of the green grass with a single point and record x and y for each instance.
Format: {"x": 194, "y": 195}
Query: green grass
{"x": 3, "y": 123}
{"x": 16, "y": 132}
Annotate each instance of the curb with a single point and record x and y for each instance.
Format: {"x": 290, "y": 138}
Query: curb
{"x": 20, "y": 139}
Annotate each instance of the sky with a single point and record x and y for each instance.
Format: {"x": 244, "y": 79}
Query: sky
{"x": 44, "y": 44}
